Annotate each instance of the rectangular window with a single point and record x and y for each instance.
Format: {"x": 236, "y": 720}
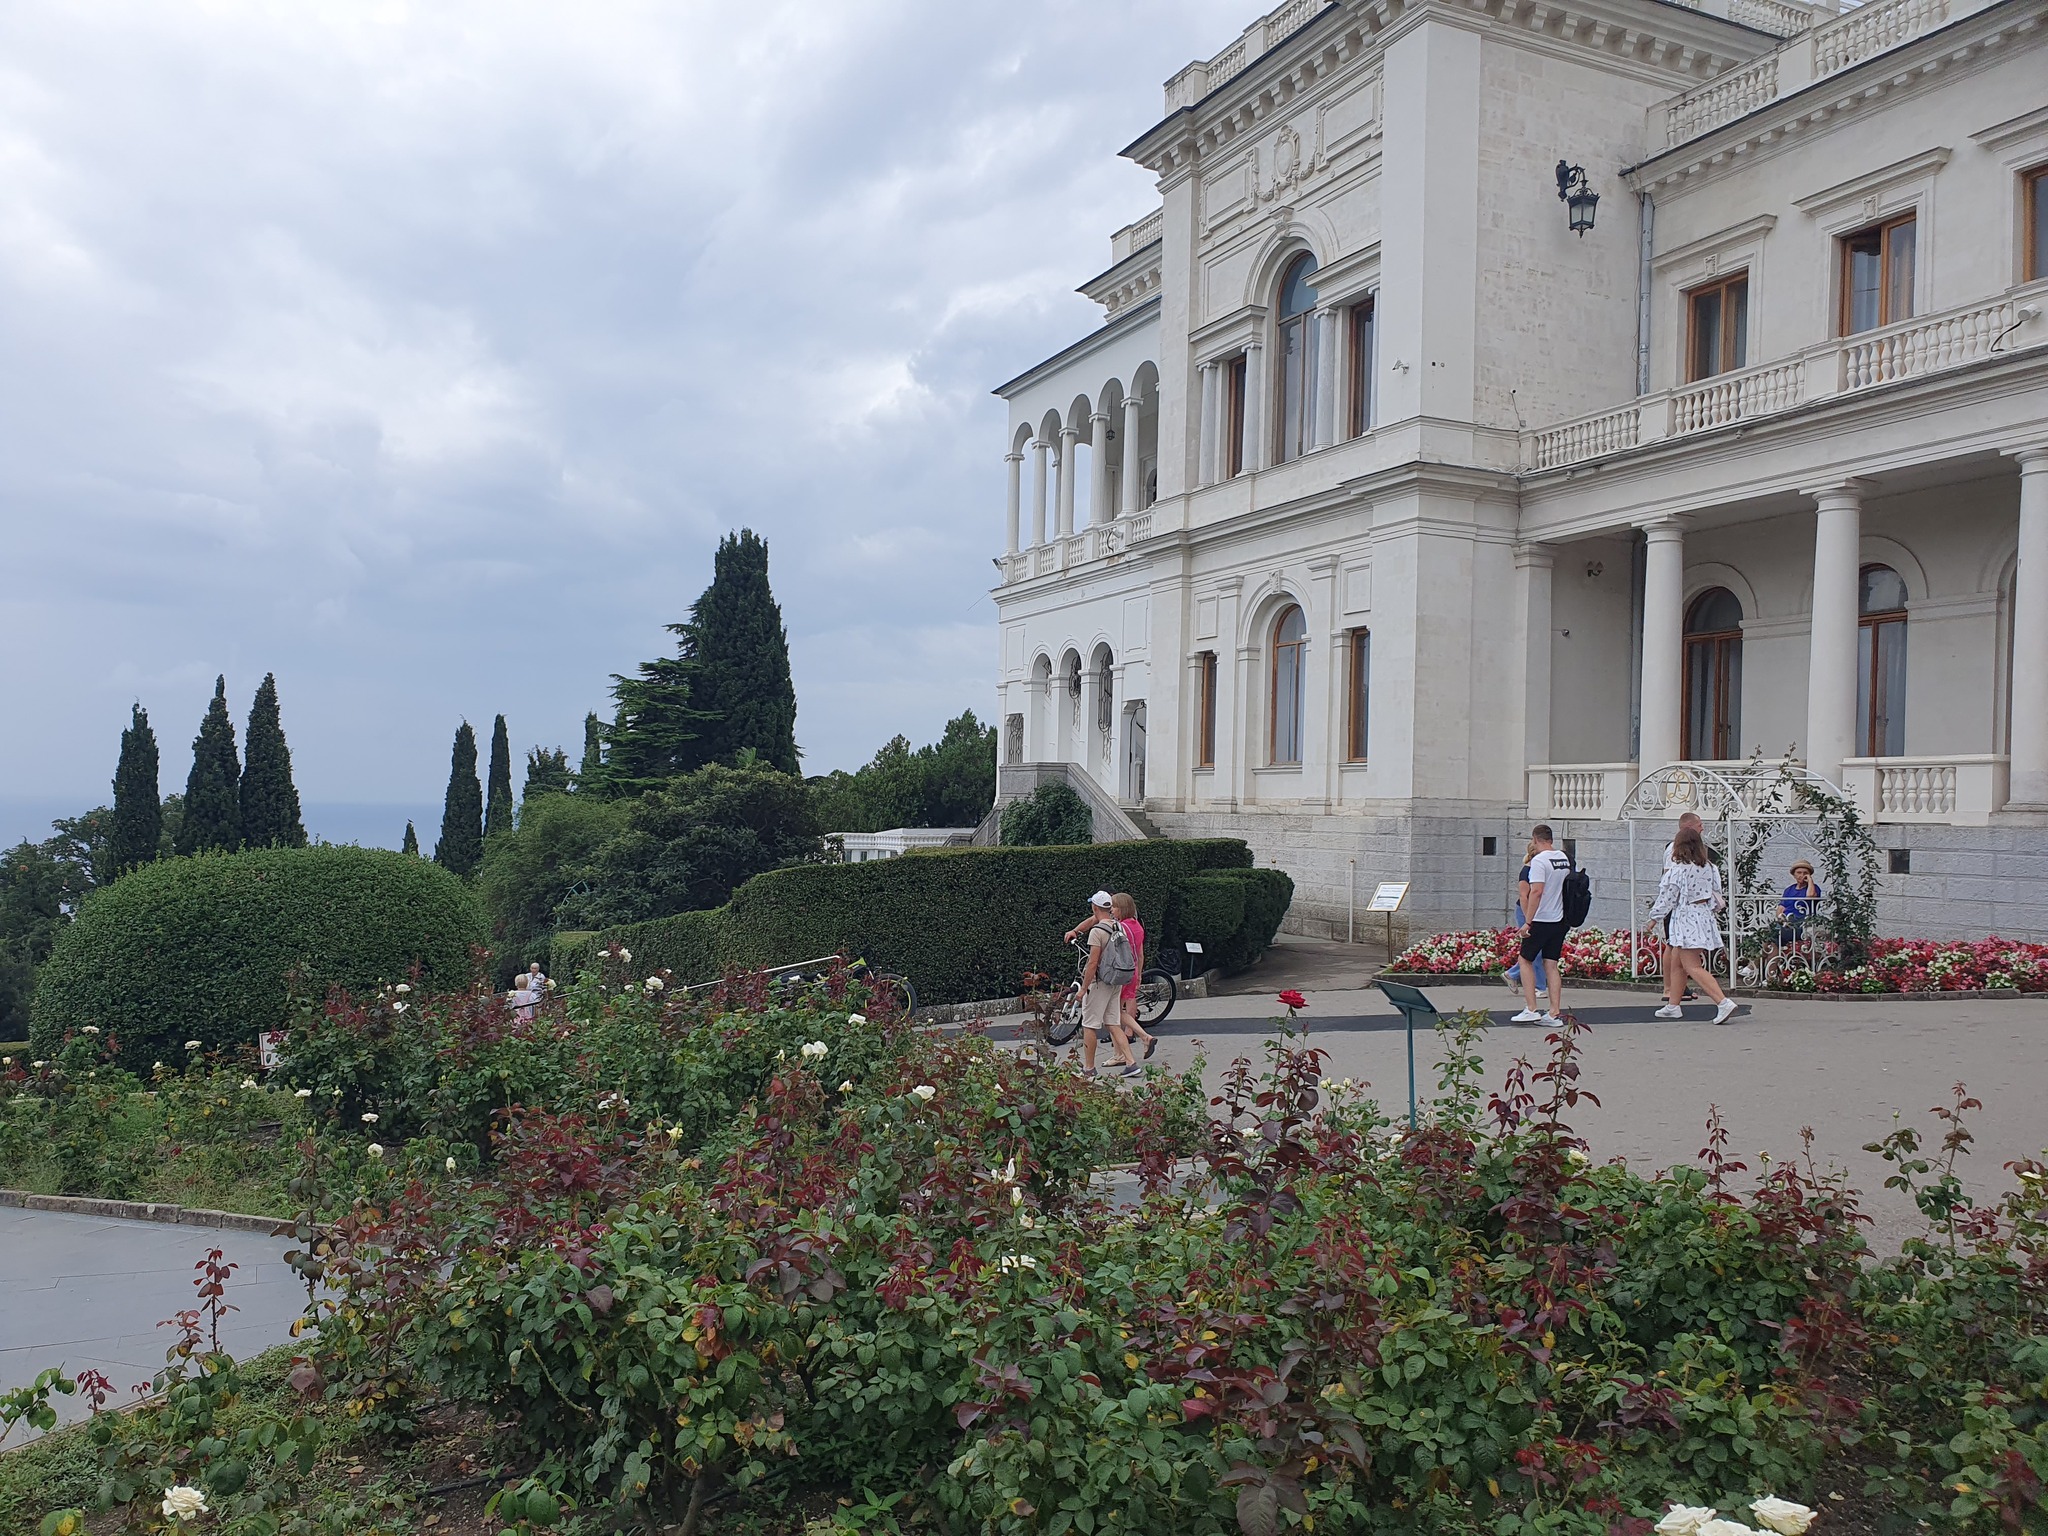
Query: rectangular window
{"x": 1205, "y": 711}
{"x": 1233, "y": 417}
{"x": 1361, "y": 367}
{"x": 1717, "y": 328}
{"x": 2036, "y": 207}
{"x": 1358, "y": 711}
{"x": 1877, "y": 275}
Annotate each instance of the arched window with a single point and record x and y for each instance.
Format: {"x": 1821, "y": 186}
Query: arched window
{"x": 1713, "y": 677}
{"x": 1881, "y": 663}
{"x": 1290, "y": 643}
{"x": 1297, "y": 354}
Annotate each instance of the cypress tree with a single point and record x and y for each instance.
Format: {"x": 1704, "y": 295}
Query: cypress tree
{"x": 741, "y": 651}
{"x": 547, "y": 773}
{"x": 590, "y": 772}
{"x": 270, "y": 801}
{"x": 461, "y": 847}
{"x": 498, "y": 802}
{"x": 138, "y": 811}
{"x": 213, "y": 812}
{"x": 411, "y": 844}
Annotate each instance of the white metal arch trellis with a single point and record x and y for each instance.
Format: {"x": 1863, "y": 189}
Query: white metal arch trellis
{"x": 1729, "y": 797}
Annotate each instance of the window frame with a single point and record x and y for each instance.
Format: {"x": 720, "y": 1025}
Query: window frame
{"x": 1722, "y": 646}
{"x": 1870, "y": 665}
{"x": 1360, "y": 338}
{"x": 1733, "y": 350}
{"x": 1295, "y": 375}
{"x": 1885, "y": 229}
{"x": 1205, "y": 710}
{"x": 2034, "y": 224}
{"x": 1358, "y": 694}
{"x": 1234, "y": 379}
{"x": 1300, "y": 701}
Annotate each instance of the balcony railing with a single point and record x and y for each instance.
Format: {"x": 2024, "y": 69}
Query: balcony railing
{"x": 1811, "y": 52}
{"x": 1204, "y": 76}
{"x": 1587, "y": 791}
{"x": 1102, "y": 541}
{"x": 1961, "y": 790}
{"x": 1912, "y": 348}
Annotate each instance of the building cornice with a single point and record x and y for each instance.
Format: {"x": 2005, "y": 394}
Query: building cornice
{"x": 1856, "y": 188}
{"x": 1917, "y": 65}
{"x": 1126, "y": 282}
{"x": 1131, "y": 319}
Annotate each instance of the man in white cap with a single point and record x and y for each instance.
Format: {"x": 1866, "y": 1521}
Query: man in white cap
{"x": 1102, "y": 991}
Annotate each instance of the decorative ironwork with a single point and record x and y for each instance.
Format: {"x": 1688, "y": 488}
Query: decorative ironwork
{"x": 1723, "y": 794}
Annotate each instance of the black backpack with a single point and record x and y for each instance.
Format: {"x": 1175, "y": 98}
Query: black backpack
{"x": 1578, "y": 895}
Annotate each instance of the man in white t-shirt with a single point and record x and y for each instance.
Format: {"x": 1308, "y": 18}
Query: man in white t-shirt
{"x": 1543, "y": 935}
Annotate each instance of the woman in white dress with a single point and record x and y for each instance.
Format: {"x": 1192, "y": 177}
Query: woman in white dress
{"x": 1690, "y": 894}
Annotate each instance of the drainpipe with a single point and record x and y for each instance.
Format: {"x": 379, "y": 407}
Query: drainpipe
{"x": 1646, "y": 225}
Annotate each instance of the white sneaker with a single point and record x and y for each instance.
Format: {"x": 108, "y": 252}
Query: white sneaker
{"x": 1671, "y": 1011}
{"x": 1542, "y": 996}
{"x": 1526, "y": 1016}
{"x": 1721, "y": 1013}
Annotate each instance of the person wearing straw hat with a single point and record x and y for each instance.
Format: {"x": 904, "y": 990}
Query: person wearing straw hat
{"x": 1799, "y": 903}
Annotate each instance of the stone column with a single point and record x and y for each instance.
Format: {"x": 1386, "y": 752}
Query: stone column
{"x": 1035, "y": 722}
{"x": 1069, "y": 436}
{"x": 1040, "y": 450}
{"x": 1255, "y": 392}
{"x": 1831, "y": 669}
{"x": 1132, "y": 488}
{"x": 1663, "y": 644}
{"x": 1533, "y": 563}
{"x": 1014, "y": 516}
{"x": 1326, "y": 378}
{"x": 1205, "y": 450}
{"x": 2029, "y": 743}
{"x": 1091, "y": 701}
{"x": 1098, "y": 465}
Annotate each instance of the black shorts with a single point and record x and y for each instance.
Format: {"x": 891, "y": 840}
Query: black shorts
{"x": 1546, "y": 940}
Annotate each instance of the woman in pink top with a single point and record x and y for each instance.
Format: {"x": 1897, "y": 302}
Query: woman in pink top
{"x": 1126, "y": 910}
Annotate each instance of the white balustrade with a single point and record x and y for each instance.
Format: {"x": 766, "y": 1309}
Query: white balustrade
{"x": 1204, "y": 76}
{"x": 1772, "y": 16}
{"x": 1590, "y": 437}
{"x": 1583, "y": 791}
{"x": 1959, "y": 790}
{"x": 1722, "y": 100}
{"x": 1139, "y": 525}
{"x": 1923, "y": 346}
{"x": 1737, "y": 396}
{"x": 1855, "y": 36}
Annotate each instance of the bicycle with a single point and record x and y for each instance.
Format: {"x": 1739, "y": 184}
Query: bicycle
{"x": 1156, "y": 995}
{"x": 889, "y": 995}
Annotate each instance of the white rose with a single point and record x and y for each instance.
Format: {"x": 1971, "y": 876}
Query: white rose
{"x": 248, "y": 1082}
{"x": 1016, "y": 1197}
{"x": 399, "y": 1007}
{"x": 924, "y": 1091}
{"x": 8, "y": 1061}
{"x": 92, "y": 1029}
{"x": 816, "y": 1049}
{"x": 39, "y": 1065}
{"x": 847, "y": 1086}
{"x": 402, "y": 988}
{"x": 303, "y": 1093}
{"x": 1684, "y": 1520}
{"x": 1724, "y": 1528}
{"x": 856, "y": 1018}
{"x": 374, "y": 1150}
{"x": 182, "y": 1503}
{"x": 451, "y": 1165}
{"x": 655, "y": 984}
{"x": 191, "y": 1045}
{"x": 624, "y": 953}
{"x": 369, "y": 1117}
{"x": 1782, "y": 1515}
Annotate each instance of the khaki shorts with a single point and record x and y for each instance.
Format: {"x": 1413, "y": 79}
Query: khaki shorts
{"x": 1101, "y": 1005}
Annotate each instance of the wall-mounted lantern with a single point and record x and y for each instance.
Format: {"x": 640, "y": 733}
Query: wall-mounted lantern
{"x": 1579, "y": 199}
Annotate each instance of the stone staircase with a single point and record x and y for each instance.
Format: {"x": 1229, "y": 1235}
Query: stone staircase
{"x": 1113, "y": 823}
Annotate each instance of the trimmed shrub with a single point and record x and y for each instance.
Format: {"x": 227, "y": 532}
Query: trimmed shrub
{"x": 1052, "y": 815}
{"x": 961, "y": 923}
{"x": 201, "y": 948}
{"x": 1267, "y": 895}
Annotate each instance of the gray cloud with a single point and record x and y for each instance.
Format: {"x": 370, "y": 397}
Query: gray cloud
{"x": 421, "y": 353}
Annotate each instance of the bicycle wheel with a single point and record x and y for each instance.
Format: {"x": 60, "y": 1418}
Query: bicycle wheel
{"x": 1065, "y": 1024}
{"x": 1156, "y": 994}
{"x": 892, "y": 995}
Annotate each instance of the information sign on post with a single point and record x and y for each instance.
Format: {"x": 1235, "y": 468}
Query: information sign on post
{"x": 1387, "y": 897}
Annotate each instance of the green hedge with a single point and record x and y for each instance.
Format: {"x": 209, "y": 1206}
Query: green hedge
{"x": 961, "y": 923}
{"x": 199, "y": 948}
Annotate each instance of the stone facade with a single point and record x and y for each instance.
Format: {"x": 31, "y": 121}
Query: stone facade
{"x": 1388, "y": 513}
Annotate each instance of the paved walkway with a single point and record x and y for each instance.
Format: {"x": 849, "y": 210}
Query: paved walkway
{"x": 87, "y": 1292}
{"x": 1846, "y": 1069}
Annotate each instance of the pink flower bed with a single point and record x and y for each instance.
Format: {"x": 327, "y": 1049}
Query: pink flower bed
{"x": 1895, "y": 965}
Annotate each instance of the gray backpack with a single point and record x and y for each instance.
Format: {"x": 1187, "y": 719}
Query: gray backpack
{"x": 1118, "y": 964}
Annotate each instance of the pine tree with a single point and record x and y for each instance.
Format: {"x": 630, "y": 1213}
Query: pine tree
{"x": 736, "y": 639}
{"x": 547, "y": 773}
{"x": 590, "y": 772}
{"x": 213, "y": 812}
{"x": 498, "y": 802}
{"x": 138, "y": 811}
{"x": 270, "y": 801}
{"x": 657, "y": 733}
{"x": 411, "y": 844}
{"x": 461, "y": 847}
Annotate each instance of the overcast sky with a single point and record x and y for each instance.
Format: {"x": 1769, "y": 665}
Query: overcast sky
{"x": 421, "y": 353}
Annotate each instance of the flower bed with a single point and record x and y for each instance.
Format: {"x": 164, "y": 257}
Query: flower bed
{"x": 1895, "y": 965}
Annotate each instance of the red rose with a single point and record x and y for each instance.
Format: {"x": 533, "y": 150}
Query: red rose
{"x": 1293, "y": 1000}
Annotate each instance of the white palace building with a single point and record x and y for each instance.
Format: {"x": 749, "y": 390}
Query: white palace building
{"x": 1406, "y": 495}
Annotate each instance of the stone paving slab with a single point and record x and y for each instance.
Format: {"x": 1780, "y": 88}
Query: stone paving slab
{"x": 82, "y": 1292}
